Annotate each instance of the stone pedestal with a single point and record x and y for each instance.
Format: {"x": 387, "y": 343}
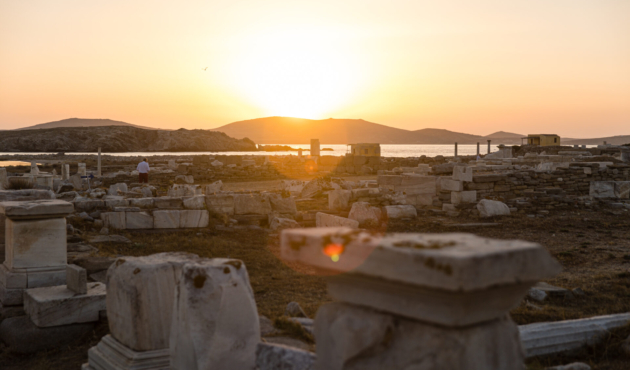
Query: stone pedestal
{"x": 140, "y": 297}
{"x": 427, "y": 301}
{"x": 35, "y": 247}
{"x": 4, "y": 182}
{"x": 65, "y": 172}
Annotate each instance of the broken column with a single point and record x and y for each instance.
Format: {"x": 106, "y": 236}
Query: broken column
{"x": 215, "y": 322}
{"x": 315, "y": 147}
{"x": 98, "y": 166}
{"x": 82, "y": 170}
{"x": 436, "y": 300}
{"x": 35, "y": 243}
{"x": 65, "y": 172}
{"x": 34, "y": 168}
{"x": 140, "y": 294}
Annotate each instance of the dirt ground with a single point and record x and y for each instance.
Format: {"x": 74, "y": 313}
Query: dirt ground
{"x": 593, "y": 248}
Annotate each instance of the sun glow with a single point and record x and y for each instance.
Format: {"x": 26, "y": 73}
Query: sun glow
{"x": 296, "y": 73}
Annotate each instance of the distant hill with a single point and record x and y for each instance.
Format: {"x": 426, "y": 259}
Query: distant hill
{"x": 288, "y": 130}
{"x": 504, "y": 135}
{"x": 615, "y": 140}
{"x": 119, "y": 139}
{"x": 81, "y": 122}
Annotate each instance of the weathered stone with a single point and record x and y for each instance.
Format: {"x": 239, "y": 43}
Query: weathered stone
{"x": 490, "y": 208}
{"x": 17, "y": 210}
{"x": 281, "y": 357}
{"x": 193, "y": 219}
{"x": 364, "y": 213}
{"x": 140, "y": 294}
{"x": 455, "y": 262}
{"x": 546, "y": 338}
{"x": 138, "y": 220}
{"x": 58, "y": 305}
{"x": 402, "y": 211}
{"x": 111, "y": 354}
{"x": 451, "y": 185}
{"x": 32, "y": 244}
{"x": 179, "y": 190}
{"x": 281, "y": 204}
{"x": 167, "y": 219}
{"x": 76, "y": 279}
{"x": 602, "y": 189}
{"x": 215, "y": 187}
{"x": 279, "y": 223}
{"x": 21, "y": 335}
{"x": 458, "y": 197}
{"x": 215, "y": 322}
{"x": 463, "y": 173}
{"x": 326, "y": 220}
{"x": 339, "y": 200}
{"x": 195, "y": 202}
{"x": 350, "y": 338}
{"x": 167, "y": 202}
{"x": 245, "y": 204}
{"x": 118, "y": 189}
{"x": 114, "y": 220}
{"x": 221, "y": 203}
{"x": 141, "y": 202}
{"x": 113, "y": 201}
{"x": 389, "y": 180}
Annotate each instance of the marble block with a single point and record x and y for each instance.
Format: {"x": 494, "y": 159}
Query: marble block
{"x": 469, "y": 196}
{"x": 400, "y": 211}
{"x": 463, "y": 173}
{"x": 339, "y": 200}
{"x": 451, "y": 185}
{"x": 114, "y": 220}
{"x": 138, "y": 220}
{"x": 76, "y": 279}
{"x": 45, "y": 208}
{"x": 58, "y": 305}
{"x": 354, "y": 338}
{"x": 251, "y": 204}
{"x": 193, "y": 219}
{"x": 140, "y": 293}
{"x": 326, "y": 220}
{"x": 215, "y": 322}
{"x": 167, "y": 219}
{"x": 32, "y": 244}
{"x": 457, "y": 261}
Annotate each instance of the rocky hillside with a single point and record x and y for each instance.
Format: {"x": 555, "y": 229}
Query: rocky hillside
{"x": 119, "y": 139}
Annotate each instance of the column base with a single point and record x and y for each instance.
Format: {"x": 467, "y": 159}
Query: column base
{"x": 109, "y": 354}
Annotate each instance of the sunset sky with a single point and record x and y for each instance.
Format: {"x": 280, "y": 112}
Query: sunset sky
{"x": 530, "y": 66}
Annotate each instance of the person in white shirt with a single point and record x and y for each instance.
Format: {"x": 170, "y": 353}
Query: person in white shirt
{"x": 143, "y": 169}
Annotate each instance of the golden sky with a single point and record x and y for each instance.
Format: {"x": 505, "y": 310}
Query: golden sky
{"x": 525, "y": 66}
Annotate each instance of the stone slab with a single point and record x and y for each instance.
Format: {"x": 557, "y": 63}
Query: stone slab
{"x": 37, "y": 243}
{"x": 447, "y": 308}
{"x": 400, "y": 211}
{"x": 463, "y": 173}
{"x": 451, "y": 185}
{"x": 245, "y": 204}
{"x": 138, "y": 220}
{"x": 455, "y": 262}
{"x": 166, "y": 219}
{"x": 58, "y": 305}
{"x": 167, "y": 202}
{"x": 46, "y": 208}
{"x": 76, "y": 279}
{"x": 469, "y": 196}
{"x": 326, "y": 220}
{"x": 221, "y": 203}
{"x": 193, "y": 219}
{"x": 114, "y": 220}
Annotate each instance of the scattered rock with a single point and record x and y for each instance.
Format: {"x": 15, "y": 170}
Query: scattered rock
{"x": 536, "y": 294}
{"x": 278, "y": 223}
{"x": 490, "y": 208}
{"x": 280, "y": 357}
{"x": 266, "y": 326}
{"x": 110, "y": 239}
{"x": 572, "y": 366}
{"x": 294, "y": 310}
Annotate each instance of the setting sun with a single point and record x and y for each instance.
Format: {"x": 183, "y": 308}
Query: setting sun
{"x": 302, "y": 73}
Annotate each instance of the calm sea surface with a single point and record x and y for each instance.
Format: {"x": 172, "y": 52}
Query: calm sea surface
{"x": 338, "y": 150}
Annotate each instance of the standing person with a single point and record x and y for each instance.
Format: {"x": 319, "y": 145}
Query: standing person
{"x": 143, "y": 169}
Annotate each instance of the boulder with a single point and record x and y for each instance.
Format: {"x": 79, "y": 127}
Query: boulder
{"x": 364, "y": 213}
{"x": 490, "y": 208}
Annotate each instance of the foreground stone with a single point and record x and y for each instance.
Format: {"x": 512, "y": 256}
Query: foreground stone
{"x": 280, "y": 357}
{"x": 364, "y": 213}
{"x": 546, "y": 338}
{"x": 215, "y": 322}
{"x": 58, "y": 305}
{"x": 491, "y": 208}
{"x": 348, "y": 338}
